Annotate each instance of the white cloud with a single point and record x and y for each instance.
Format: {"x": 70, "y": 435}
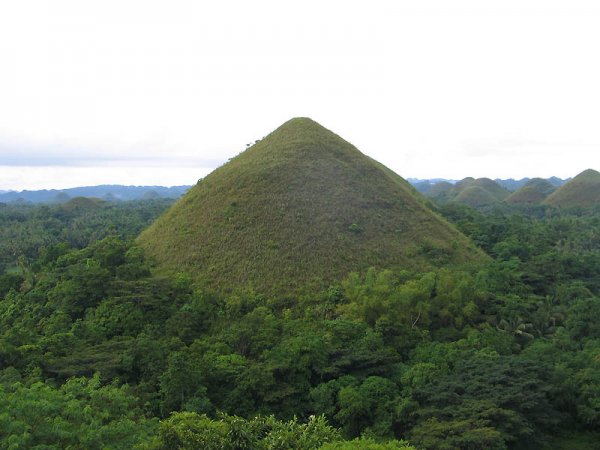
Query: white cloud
{"x": 408, "y": 82}
{"x": 62, "y": 177}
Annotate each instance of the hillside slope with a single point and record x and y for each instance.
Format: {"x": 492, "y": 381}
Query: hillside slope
{"x": 470, "y": 191}
{"x": 535, "y": 191}
{"x": 583, "y": 191}
{"x": 300, "y": 207}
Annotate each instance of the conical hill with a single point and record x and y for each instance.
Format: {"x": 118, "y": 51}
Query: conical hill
{"x": 533, "y": 192}
{"x": 300, "y": 207}
{"x": 440, "y": 190}
{"x": 583, "y": 191}
{"x": 479, "y": 192}
{"x": 470, "y": 191}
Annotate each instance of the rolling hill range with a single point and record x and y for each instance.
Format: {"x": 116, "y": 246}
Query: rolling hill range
{"x": 583, "y": 191}
{"x": 432, "y": 187}
{"x": 109, "y": 192}
{"x": 534, "y": 191}
{"x": 511, "y": 184}
{"x": 300, "y": 207}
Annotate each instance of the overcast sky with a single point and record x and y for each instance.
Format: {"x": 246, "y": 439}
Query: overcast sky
{"x": 162, "y": 92}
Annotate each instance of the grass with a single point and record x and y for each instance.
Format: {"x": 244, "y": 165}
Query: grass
{"x": 475, "y": 196}
{"x": 302, "y": 206}
{"x": 527, "y": 194}
{"x": 470, "y": 191}
{"x": 439, "y": 189}
{"x": 541, "y": 185}
{"x": 535, "y": 191}
{"x": 583, "y": 190}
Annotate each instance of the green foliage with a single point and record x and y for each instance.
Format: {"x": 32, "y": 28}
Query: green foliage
{"x": 498, "y": 399}
{"x": 10, "y": 281}
{"x": 453, "y": 434}
{"x": 193, "y": 431}
{"x": 367, "y": 444}
{"x": 504, "y": 354}
{"x": 80, "y": 414}
{"x": 29, "y": 230}
{"x": 181, "y": 385}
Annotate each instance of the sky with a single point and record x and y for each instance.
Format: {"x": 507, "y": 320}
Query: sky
{"x": 162, "y": 92}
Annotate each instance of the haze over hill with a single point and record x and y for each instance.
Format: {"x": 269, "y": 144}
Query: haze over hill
{"x": 106, "y": 192}
{"x": 300, "y": 206}
{"x": 510, "y": 184}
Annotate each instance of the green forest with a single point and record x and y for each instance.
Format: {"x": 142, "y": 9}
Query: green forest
{"x": 98, "y": 351}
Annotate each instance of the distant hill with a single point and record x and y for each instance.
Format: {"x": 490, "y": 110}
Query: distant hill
{"x": 79, "y": 203}
{"x": 300, "y": 207}
{"x": 425, "y": 186}
{"x": 534, "y": 191}
{"x": 470, "y": 191}
{"x": 61, "y": 197}
{"x": 440, "y": 189}
{"x": 422, "y": 186}
{"x": 475, "y": 196}
{"x": 512, "y": 184}
{"x": 414, "y": 181}
{"x": 557, "y": 182}
{"x": 151, "y": 195}
{"x": 107, "y": 192}
{"x": 583, "y": 191}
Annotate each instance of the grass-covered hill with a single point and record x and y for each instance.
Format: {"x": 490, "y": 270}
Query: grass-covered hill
{"x": 479, "y": 192}
{"x": 511, "y": 184}
{"x": 469, "y": 191}
{"x": 439, "y": 189}
{"x": 535, "y": 191}
{"x": 302, "y": 206}
{"x": 583, "y": 191}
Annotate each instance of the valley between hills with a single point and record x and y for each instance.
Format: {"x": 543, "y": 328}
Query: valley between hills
{"x": 302, "y": 296}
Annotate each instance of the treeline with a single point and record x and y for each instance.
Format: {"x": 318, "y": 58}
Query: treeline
{"x": 97, "y": 352}
{"x": 25, "y": 229}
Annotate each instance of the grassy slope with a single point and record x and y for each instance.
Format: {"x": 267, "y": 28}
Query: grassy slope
{"x": 300, "y": 206}
{"x": 535, "y": 191}
{"x": 541, "y": 185}
{"x": 527, "y": 194}
{"x": 475, "y": 196}
{"x": 440, "y": 189}
{"x": 583, "y": 190}
{"x": 477, "y": 192}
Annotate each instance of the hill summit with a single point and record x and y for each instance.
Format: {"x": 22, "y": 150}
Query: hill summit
{"x": 470, "y": 191}
{"x": 534, "y": 191}
{"x": 479, "y": 192}
{"x": 583, "y": 191}
{"x": 300, "y": 207}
